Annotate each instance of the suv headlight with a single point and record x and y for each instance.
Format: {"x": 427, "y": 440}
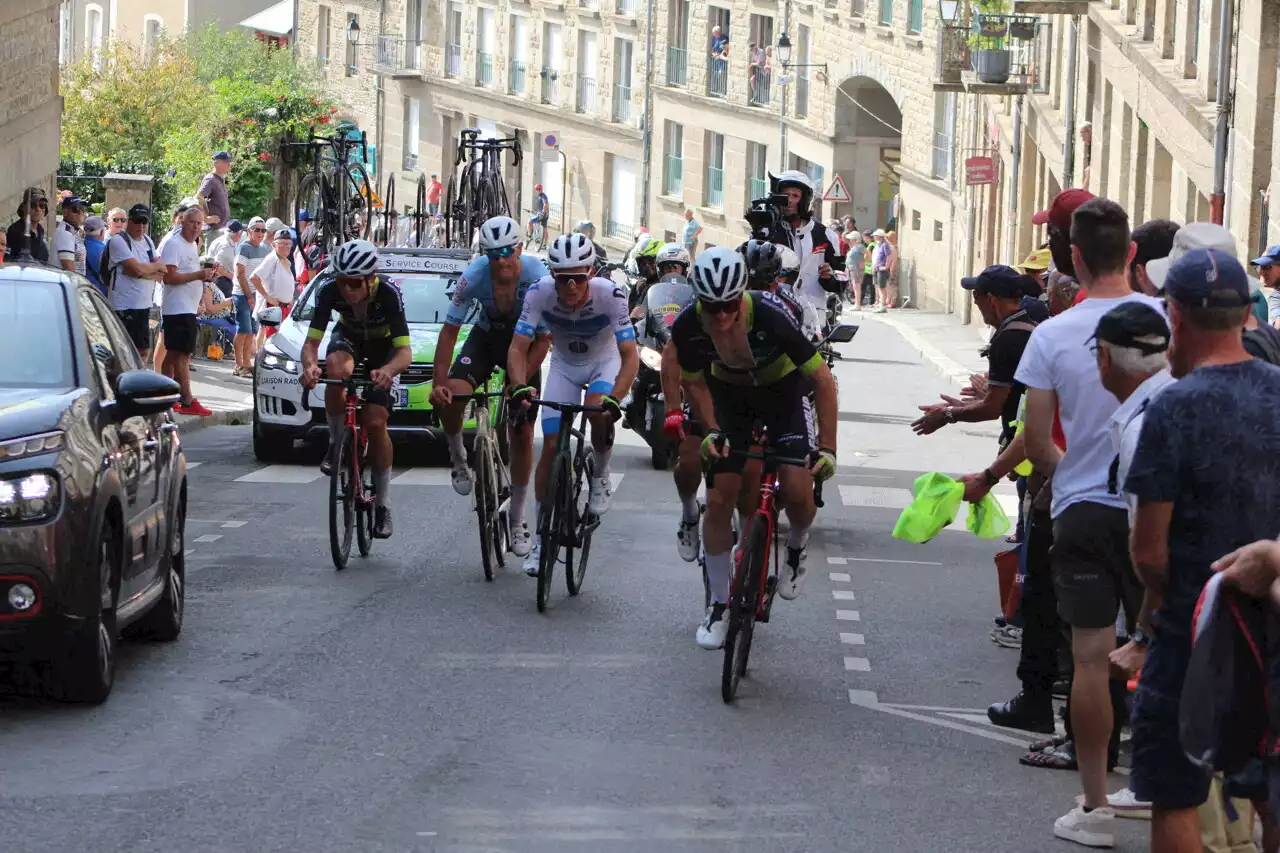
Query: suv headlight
{"x": 31, "y": 445}
{"x": 274, "y": 359}
{"x": 29, "y": 497}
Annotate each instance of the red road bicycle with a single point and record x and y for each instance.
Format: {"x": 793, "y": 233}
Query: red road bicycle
{"x": 351, "y": 492}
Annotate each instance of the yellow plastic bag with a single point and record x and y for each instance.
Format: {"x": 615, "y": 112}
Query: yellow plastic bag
{"x": 987, "y": 519}
{"x": 937, "y": 500}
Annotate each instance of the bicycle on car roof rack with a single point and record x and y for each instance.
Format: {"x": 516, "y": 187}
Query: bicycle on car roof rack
{"x": 477, "y": 192}
{"x": 337, "y": 192}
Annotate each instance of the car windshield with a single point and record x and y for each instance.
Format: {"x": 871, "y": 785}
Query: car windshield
{"x": 426, "y": 297}
{"x": 35, "y": 338}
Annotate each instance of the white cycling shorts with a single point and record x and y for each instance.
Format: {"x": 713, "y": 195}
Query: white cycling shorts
{"x": 566, "y": 381}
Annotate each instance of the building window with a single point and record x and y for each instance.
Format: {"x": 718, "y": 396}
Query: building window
{"x": 858, "y": 8}
{"x": 486, "y": 37}
{"x": 620, "y": 223}
{"x": 803, "y": 48}
{"x": 551, "y": 54}
{"x": 674, "y": 183}
{"x": 93, "y": 34}
{"x": 518, "y": 65}
{"x": 587, "y": 58}
{"x": 413, "y": 17}
{"x": 453, "y": 42}
{"x": 886, "y": 13}
{"x": 352, "y": 56}
{"x": 714, "y": 194}
{"x": 944, "y": 115}
{"x": 915, "y": 16}
{"x": 717, "y": 52}
{"x": 623, "y": 59}
{"x": 759, "y": 68}
{"x": 678, "y": 43}
{"x": 412, "y": 113}
{"x": 322, "y": 35}
{"x": 1195, "y": 31}
{"x": 152, "y": 33}
{"x": 757, "y": 171}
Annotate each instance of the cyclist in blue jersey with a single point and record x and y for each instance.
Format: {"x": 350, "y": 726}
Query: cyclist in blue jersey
{"x": 497, "y": 280}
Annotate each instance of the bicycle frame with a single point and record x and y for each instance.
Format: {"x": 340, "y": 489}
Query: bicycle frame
{"x": 767, "y": 507}
{"x": 351, "y": 421}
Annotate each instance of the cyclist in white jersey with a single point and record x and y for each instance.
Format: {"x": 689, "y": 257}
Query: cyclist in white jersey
{"x": 592, "y": 344}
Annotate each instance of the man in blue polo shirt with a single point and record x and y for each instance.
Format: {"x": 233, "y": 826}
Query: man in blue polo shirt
{"x": 1268, "y": 267}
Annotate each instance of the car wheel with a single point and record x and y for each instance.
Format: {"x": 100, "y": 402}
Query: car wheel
{"x": 267, "y": 447}
{"x": 89, "y": 668}
{"x": 163, "y": 622}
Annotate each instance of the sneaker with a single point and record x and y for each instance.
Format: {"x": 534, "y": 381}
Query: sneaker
{"x": 1024, "y": 712}
{"x": 460, "y": 476}
{"x": 192, "y": 408}
{"x": 382, "y": 522}
{"x": 534, "y": 558}
{"x": 791, "y": 578}
{"x": 520, "y": 539}
{"x": 326, "y": 466}
{"x": 1125, "y": 804}
{"x": 601, "y": 492}
{"x": 1009, "y": 637}
{"x": 689, "y": 538}
{"x": 710, "y": 635}
{"x": 1092, "y": 829}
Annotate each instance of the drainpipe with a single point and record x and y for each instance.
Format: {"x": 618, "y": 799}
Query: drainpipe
{"x": 970, "y": 220}
{"x": 293, "y": 35}
{"x": 1015, "y": 175}
{"x": 1069, "y": 141}
{"x": 782, "y": 116}
{"x": 1217, "y": 201}
{"x": 647, "y": 129}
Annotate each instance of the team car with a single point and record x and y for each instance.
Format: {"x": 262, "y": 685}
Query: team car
{"x": 427, "y": 279}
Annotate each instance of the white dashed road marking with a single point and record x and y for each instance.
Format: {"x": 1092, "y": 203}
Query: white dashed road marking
{"x": 283, "y": 474}
{"x": 899, "y": 562}
{"x": 839, "y": 577}
{"x": 848, "y": 616}
{"x": 842, "y": 594}
{"x": 857, "y": 664}
{"x": 234, "y": 524}
{"x": 208, "y": 537}
{"x": 837, "y": 561}
{"x": 853, "y": 639}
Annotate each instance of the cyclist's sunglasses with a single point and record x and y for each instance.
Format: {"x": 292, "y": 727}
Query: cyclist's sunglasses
{"x": 499, "y": 254}
{"x": 720, "y": 307}
{"x": 572, "y": 278}
{"x": 350, "y": 283}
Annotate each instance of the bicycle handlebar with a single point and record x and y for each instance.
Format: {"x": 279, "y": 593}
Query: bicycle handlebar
{"x": 350, "y": 384}
{"x": 479, "y": 395}
{"x": 769, "y": 456}
{"x": 570, "y": 408}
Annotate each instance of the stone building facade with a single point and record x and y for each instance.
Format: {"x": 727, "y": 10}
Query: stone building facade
{"x": 30, "y": 106}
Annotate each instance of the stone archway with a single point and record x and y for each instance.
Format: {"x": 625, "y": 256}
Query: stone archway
{"x": 868, "y": 143}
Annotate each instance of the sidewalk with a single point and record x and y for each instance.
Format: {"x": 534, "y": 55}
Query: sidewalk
{"x": 952, "y": 347}
{"x": 230, "y": 398}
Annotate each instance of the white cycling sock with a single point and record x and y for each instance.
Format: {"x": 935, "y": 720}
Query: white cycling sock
{"x": 382, "y": 485}
{"x": 602, "y": 462}
{"x": 797, "y": 537}
{"x": 718, "y": 577}
{"x": 335, "y": 429}
{"x": 689, "y": 507}
{"x": 457, "y": 452}
{"x": 518, "y": 495}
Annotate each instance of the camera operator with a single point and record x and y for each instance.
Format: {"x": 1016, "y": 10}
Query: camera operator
{"x": 817, "y": 246}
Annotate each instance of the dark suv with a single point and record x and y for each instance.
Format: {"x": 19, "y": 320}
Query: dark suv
{"x": 92, "y": 487}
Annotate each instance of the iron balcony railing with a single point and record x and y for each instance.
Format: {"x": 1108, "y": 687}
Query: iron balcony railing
{"x": 484, "y": 68}
{"x": 618, "y": 230}
{"x": 452, "y": 60}
{"x": 717, "y": 77}
{"x": 515, "y": 78}
{"x": 621, "y": 103}
{"x": 757, "y": 188}
{"x": 715, "y": 187}
{"x": 675, "y": 175}
{"x": 586, "y": 94}
{"x": 760, "y": 91}
{"x": 677, "y": 66}
{"x": 802, "y": 96}
{"x": 550, "y": 86}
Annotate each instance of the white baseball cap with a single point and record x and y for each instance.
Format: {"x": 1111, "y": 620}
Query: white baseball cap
{"x": 879, "y": 232}
{"x": 1193, "y": 235}
{"x": 274, "y": 224}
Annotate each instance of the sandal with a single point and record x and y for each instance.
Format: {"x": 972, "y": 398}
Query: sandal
{"x": 1048, "y": 743}
{"x": 1061, "y": 757}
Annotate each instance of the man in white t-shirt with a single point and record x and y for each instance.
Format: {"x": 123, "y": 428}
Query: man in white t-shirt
{"x": 184, "y": 283}
{"x": 249, "y": 254}
{"x": 68, "y": 237}
{"x": 134, "y": 269}
{"x": 1092, "y": 571}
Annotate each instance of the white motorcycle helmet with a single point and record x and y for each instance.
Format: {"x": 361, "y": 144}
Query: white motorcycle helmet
{"x": 799, "y": 180}
{"x": 673, "y": 253}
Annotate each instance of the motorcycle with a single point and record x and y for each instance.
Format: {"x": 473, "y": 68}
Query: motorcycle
{"x": 645, "y": 408}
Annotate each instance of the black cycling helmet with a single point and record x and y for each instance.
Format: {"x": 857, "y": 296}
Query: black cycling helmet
{"x": 764, "y": 263}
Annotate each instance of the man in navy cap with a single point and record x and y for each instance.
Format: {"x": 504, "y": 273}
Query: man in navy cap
{"x": 1202, "y": 491}
{"x": 1268, "y": 267}
{"x": 68, "y": 237}
{"x": 213, "y": 196}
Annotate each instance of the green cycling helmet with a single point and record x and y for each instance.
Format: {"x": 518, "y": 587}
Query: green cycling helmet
{"x": 650, "y": 250}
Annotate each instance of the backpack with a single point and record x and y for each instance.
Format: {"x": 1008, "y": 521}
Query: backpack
{"x": 1264, "y": 343}
{"x": 106, "y": 272}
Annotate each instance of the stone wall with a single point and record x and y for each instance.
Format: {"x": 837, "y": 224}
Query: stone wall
{"x": 30, "y": 106}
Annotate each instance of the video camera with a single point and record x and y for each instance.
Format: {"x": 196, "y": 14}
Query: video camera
{"x": 764, "y": 215}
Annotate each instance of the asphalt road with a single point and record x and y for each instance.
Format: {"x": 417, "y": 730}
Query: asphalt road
{"x": 407, "y": 705}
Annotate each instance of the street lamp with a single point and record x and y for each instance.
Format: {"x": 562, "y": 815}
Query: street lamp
{"x": 949, "y": 10}
{"x": 784, "y": 49}
{"x": 353, "y": 32}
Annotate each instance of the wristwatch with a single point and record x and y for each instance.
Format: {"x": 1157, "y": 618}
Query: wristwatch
{"x": 950, "y": 414}
{"x": 992, "y": 479}
{"x": 1138, "y": 636}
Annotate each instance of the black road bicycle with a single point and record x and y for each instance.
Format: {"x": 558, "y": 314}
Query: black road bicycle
{"x": 491, "y": 487}
{"x": 477, "y": 192}
{"x": 336, "y": 192}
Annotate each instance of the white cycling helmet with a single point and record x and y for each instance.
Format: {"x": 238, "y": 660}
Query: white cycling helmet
{"x": 355, "y": 259}
{"x": 571, "y": 251}
{"x": 673, "y": 253}
{"x": 499, "y": 233}
{"x": 790, "y": 264}
{"x": 719, "y": 275}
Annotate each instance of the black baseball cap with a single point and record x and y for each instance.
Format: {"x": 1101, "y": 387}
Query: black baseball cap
{"x": 998, "y": 280}
{"x": 1134, "y": 325}
{"x": 223, "y": 156}
{"x": 235, "y": 226}
{"x": 1208, "y": 278}
{"x": 140, "y": 213}
{"x": 73, "y": 201}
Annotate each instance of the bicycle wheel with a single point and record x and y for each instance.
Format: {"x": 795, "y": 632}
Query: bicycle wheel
{"x": 341, "y": 497}
{"x": 486, "y": 507}
{"x": 389, "y": 219}
{"x": 551, "y": 527}
{"x": 357, "y": 204}
{"x": 580, "y": 525}
{"x": 364, "y": 509}
{"x": 421, "y": 214}
{"x": 311, "y": 199}
{"x": 450, "y": 211}
{"x": 743, "y": 598}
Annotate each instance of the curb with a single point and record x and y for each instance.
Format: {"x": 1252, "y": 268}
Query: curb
{"x": 952, "y": 370}
{"x": 188, "y": 424}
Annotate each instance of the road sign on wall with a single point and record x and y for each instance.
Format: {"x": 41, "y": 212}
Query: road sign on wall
{"x": 837, "y": 191}
{"x": 549, "y": 148}
{"x": 979, "y": 170}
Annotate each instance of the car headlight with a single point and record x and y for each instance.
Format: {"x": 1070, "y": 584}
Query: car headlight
{"x": 652, "y": 358}
{"x": 31, "y": 445}
{"x": 274, "y": 359}
{"x": 29, "y": 497}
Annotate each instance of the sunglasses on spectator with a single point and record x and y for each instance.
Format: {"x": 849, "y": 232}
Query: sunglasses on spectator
{"x": 499, "y": 254}
{"x": 118, "y": 219}
{"x": 258, "y": 230}
{"x": 720, "y": 307}
{"x": 572, "y": 278}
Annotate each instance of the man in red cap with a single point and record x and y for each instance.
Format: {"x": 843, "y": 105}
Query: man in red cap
{"x": 1058, "y": 218}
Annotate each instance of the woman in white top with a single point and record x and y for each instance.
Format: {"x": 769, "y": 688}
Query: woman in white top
{"x": 274, "y": 279}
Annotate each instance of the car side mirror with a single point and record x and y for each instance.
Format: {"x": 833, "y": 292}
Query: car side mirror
{"x": 271, "y": 316}
{"x": 145, "y": 392}
{"x": 842, "y": 334}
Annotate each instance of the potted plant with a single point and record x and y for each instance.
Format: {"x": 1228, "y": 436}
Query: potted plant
{"x": 1023, "y": 27}
{"x": 990, "y": 56}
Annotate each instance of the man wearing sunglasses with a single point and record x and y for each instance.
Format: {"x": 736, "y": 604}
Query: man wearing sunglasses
{"x": 593, "y": 345}
{"x": 744, "y": 360}
{"x": 371, "y": 328}
{"x": 489, "y": 296}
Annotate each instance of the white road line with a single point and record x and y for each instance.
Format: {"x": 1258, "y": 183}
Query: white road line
{"x": 837, "y": 561}
{"x": 615, "y": 480}
{"x": 938, "y": 708}
{"x": 881, "y": 497}
{"x": 848, "y": 616}
{"x": 853, "y": 639}
{"x": 234, "y": 524}
{"x": 839, "y": 577}
{"x": 423, "y": 477}
{"x": 191, "y": 465}
{"x": 283, "y": 474}
{"x": 868, "y": 699}
{"x": 857, "y": 665}
{"x": 842, "y": 594}
{"x": 188, "y": 552}
{"x": 900, "y": 562}
{"x": 865, "y": 698}
{"x": 208, "y": 537}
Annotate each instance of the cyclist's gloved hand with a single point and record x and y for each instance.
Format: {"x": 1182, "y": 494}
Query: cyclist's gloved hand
{"x": 311, "y": 376}
{"x": 825, "y": 466}
{"x": 673, "y": 425}
{"x": 714, "y": 446}
{"x": 611, "y": 407}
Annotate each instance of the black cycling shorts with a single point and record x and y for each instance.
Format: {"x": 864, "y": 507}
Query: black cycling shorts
{"x": 375, "y": 351}
{"x": 783, "y": 408}
{"x": 484, "y": 351}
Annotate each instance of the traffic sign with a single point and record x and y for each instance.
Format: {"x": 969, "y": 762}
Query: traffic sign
{"x": 550, "y": 147}
{"x": 979, "y": 170}
{"x": 837, "y": 191}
